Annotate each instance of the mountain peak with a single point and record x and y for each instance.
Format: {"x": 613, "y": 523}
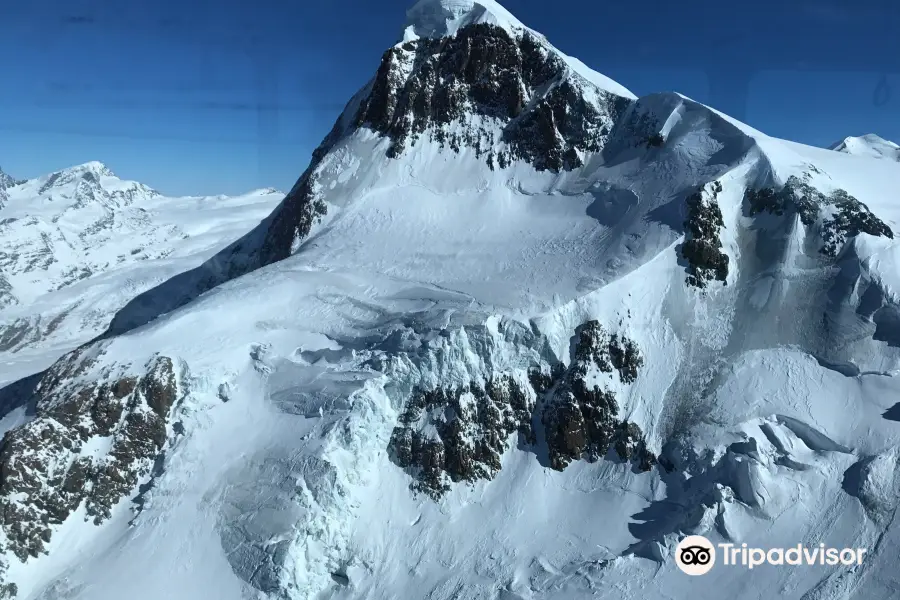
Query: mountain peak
{"x": 441, "y": 18}
{"x": 470, "y": 78}
{"x": 6, "y": 180}
{"x": 95, "y": 167}
{"x": 90, "y": 171}
{"x": 869, "y": 144}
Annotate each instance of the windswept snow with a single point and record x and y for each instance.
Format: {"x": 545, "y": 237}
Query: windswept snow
{"x": 869, "y": 145}
{"x": 439, "y": 18}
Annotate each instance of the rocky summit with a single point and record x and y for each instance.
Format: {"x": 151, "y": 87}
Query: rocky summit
{"x": 513, "y": 334}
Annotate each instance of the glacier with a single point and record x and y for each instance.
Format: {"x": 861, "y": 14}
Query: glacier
{"x": 512, "y": 335}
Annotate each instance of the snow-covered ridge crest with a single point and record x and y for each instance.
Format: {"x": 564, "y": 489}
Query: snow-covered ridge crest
{"x": 868, "y": 145}
{"x": 439, "y": 18}
{"x": 445, "y": 18}
{"x": 92, "y": 171}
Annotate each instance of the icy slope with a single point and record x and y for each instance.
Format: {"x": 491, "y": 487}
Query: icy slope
{"x": 79, "y": 243}
{"x": 869, "y": 145}
{"x": 455, "y": 375}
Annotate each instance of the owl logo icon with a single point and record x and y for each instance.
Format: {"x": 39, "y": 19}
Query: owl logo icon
{"x": 695, "y": 555}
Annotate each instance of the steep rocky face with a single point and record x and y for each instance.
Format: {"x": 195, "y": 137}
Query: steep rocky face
{"x": 6, "y": 180}
{"x": 292, "y": 220}
{"x": 702, "y": 248}
{"x": 482, "y": 77}
{"x": 7, "y": 298}
{"x": 450, "y": 435}
{"x": 506, "y": 97}
{"x": 580, "y": 417}
{"x": 90, "y": 172}
{"x": 90, "y": 444}
{"x": 836, "y": 217}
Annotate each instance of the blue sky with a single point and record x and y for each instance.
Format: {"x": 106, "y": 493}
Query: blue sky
{"x": 203, "y": 97}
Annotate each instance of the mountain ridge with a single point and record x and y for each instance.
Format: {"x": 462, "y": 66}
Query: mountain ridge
{"x": 868, "y": 145}
{"x": 386, "y": 387}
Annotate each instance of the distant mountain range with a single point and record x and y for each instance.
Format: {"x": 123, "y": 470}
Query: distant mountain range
{"x": 77, "y": 244}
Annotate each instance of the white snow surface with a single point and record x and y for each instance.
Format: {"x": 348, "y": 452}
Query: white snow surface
{"x": 79, "y": 243}
{"x": 439, "y": 18}
{"x": 775, "y": 397}
{"x": 869, "y": 145}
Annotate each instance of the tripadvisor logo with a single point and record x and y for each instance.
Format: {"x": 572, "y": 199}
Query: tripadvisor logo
{"x": 696, "y": 555}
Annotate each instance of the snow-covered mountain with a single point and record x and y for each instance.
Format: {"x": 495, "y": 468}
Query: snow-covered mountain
{"x": 512, "y": 334}
{"x": 868, "y": 145}
{"x": 78, "y": 244}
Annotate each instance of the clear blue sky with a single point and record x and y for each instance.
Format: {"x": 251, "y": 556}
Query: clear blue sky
{"x": 206, "y": 97}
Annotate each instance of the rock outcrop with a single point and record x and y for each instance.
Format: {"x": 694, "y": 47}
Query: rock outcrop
{"x": 94, "y": 438}
{"x": 483, "y": 77}
{"x": 445, "y": 436}
{"x": 459, "y": 434}
{"x": 702, "y": 247}
{"x": 580, "y": 417}
{"x": 836, "y": 217}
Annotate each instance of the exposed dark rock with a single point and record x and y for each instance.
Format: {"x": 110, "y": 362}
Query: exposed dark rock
{"x": 580, "y": 420}
{"x": 7, "y": 298}
{"x": 451, "y": 435}
{"x": 6, "y": 181}
{"x": 579, "y": 423}
{"x": 796, "y": 195}
{"x": 15, "y": 333}
{"x": 158, "y": 387}
{"x": 702, "y": 246}
{"x": 140, "y": 438}
{"x": 626, "y": 358}
{"x": 458, "y": 91}
{"x": 655, "y": 141}
{"x": 44, "y": 477}
{"x": 541, "y": 380}
{"x": 548, "y": 117}
{"x": 764, "y": 200}
{"x": 8, "y": 591}
{"x": 631, "y": 445}
{"x": 845, "y": 218}
{"x": 294, "y": 218}
{"x": 460, "y": 434}
{"x": 850, "y": 218}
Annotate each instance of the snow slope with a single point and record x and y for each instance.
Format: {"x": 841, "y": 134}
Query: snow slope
{"x": 79, "y": 243}
{"x": 489, "y": 353}
{"x": 869, "y": 145}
